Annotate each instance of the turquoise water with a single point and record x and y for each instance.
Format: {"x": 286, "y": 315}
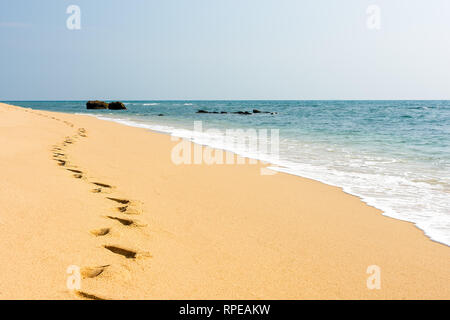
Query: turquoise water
{"x": 395, "y": 155}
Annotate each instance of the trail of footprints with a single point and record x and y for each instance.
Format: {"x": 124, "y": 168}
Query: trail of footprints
{"x": 123, "y": 207}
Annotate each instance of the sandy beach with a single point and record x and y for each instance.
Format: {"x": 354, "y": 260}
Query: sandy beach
{"x": 79, "y": 191}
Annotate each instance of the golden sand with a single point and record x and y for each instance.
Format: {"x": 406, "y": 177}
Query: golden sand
{"x": 78, "y": 191}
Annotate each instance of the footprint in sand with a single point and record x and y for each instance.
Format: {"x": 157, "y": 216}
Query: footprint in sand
{"x": 105, "y": 190}
{"x": 89, "y": 296}
{"x": 101, "y": 232}
{"x": 125, "y": 222}
{"x": 103, "y": 185}
{"x": 122, "y": 209}
{"x": 92, "y": 272}
{"x": 128, "y": 210}
{"x": 75, "y": 171}
{"x": 61, "y": 163}
{"x": 58, "y": 154}
{"x": 129, "y": 254}
{"x": 82, "y": 132}
{"x": 78, "y": 174}
{"x": 122, "y": 201}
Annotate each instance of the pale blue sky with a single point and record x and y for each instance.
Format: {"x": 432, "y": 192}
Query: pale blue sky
{"x": 224, "y": 49}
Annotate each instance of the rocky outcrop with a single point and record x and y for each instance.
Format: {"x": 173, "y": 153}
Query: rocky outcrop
{"x": 96, "y": 105}
{"x": 116, "y": 106}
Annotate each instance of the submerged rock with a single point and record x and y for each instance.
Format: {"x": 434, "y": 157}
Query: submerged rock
{"x": 258, "y": 111}
{"x": 96, "y": 105}
{"x": 245, "y": 113}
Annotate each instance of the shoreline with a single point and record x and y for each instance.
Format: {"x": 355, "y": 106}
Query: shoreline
{"x": 242, "y": 235}
{"x": 279, "y": 168}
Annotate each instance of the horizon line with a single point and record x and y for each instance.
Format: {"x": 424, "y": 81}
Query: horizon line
{"x": 59, "y": 100}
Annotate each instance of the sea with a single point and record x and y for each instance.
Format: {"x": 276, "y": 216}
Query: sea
{"x": 394, "y": 155}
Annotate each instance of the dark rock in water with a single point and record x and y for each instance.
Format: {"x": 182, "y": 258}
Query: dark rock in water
{"x": 160, "y": 115}
{"x": 258, "y": 111}
{"x": 204, "y": 111}
{"x": 242, "y": 112}
{"x": 236, "y": 112}
{"x": 104, "y": 105}
{"x": 96, "y": 105}
{"x": 116, "y": 106}
{"x": 274, "y": 113}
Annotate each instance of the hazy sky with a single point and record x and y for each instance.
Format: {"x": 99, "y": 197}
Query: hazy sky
{"x": 224, "y": 49}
